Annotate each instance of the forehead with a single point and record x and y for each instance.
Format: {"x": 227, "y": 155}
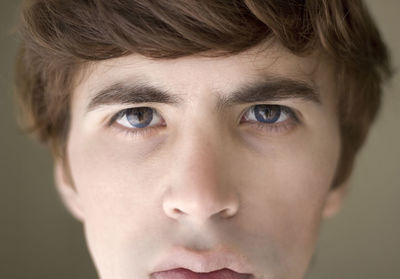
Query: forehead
{"x": 191, "y": 76}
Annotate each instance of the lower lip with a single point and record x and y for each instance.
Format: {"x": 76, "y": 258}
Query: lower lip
{"x": 182, "y": 273}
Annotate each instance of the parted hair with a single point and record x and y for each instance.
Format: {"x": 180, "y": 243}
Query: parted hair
{"x": 59, "y": 38}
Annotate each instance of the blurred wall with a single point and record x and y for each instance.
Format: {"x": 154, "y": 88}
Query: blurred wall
{"x": 38, "y": 238}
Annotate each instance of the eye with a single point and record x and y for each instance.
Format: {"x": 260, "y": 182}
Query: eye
{"x": 137, "y": 120}
{"x": 143, "y": 120}
{"x": 271, "y": 118}
{"x": 267, "y": 114}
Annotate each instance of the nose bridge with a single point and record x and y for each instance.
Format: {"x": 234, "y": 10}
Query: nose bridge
{"x": 200, "y": 153}
{"x": 199, "y": 188}
{"x": 200, "y": 163}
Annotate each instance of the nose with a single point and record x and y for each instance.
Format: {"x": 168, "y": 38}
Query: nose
{"x": 201, "y": 187}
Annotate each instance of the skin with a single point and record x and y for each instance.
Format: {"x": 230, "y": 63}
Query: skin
{"x": 203, "y": 180}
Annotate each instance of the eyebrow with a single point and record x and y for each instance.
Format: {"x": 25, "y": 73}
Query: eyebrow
{"x": 263, "y": 91}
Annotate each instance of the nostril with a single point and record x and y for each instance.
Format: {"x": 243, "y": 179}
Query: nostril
{"x": 225, "y": 213}
{"x": 200, "y": 206}
{"x": 178, "y": 211}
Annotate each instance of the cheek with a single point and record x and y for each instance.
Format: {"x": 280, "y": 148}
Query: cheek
{"x": 112, "y": 181}
{"x": 290, "y": 185}
{"x": 111, "y": 178}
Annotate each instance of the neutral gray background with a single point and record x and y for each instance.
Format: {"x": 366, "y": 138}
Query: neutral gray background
{"x": 39, "y": 239}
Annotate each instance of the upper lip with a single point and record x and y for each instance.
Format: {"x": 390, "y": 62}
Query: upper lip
{"x": 202, "y": 262}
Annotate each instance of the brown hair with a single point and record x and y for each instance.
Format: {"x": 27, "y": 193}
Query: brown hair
{"x": 59, "y": 37}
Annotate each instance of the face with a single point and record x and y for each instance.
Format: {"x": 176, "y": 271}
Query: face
{"x": 203, "y": 163}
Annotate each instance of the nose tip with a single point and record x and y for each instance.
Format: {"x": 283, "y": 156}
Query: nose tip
{"x": 201, "y": 208}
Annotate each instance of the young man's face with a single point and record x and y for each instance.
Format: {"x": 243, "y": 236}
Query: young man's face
{"x": 212, "y": 163}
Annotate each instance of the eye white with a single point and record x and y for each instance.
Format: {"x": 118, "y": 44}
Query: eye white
{"x": 123, "y": 120}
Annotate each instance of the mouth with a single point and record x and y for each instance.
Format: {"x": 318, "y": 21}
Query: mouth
{"x": 183, "y": 273}
{"x": 181, "y": 263}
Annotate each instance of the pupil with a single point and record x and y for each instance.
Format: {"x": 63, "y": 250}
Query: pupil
{"x": 139, "y": 117}
{"x": 267, "y": 113}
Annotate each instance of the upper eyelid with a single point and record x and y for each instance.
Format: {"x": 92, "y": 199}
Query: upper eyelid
{"x": 290, "y": 109}
{"x": 249, "y": 105}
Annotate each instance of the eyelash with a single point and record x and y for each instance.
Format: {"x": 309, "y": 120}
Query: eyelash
{"x": 266, "y": 128}
{"x": 276, "y": 128}
{"x": 143, "y": 132}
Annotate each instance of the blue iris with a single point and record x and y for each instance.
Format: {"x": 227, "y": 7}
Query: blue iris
{"x": 267, "y": 113}
{"x": 139, "y": 117}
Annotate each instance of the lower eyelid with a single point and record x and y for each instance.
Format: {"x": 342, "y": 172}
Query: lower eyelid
{"x": 136, "y": 133}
